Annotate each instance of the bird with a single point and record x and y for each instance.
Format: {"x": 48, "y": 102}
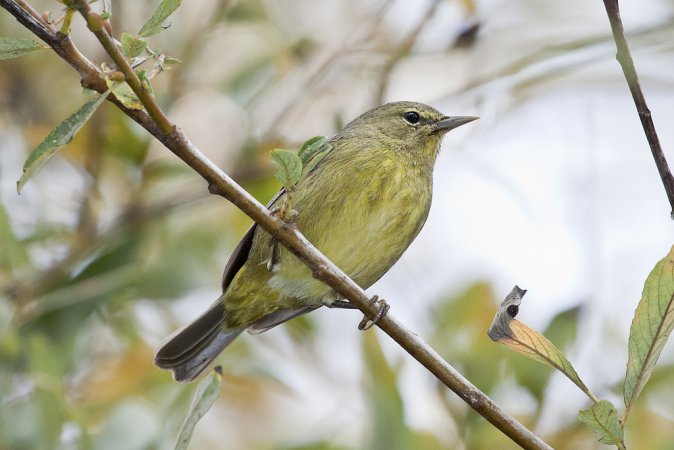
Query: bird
{"x": 361, "y": 205}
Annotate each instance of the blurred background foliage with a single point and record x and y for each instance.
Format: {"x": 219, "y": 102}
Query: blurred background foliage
{"x": 115, "y": 243}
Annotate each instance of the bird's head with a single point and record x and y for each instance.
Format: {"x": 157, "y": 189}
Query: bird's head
{"x": 405, "y": 126}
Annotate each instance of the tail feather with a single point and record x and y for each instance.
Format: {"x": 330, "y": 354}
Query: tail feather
{"x": 192, "y": 349}
{"x": 189, "y": 351}
{"x": 276, "y": 318}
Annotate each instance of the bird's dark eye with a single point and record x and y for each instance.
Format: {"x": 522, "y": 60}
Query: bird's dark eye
{"x": 411, "y": 117}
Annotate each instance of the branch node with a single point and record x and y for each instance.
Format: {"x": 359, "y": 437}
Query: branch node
{"x": 116, "y": 75}
{"x": 215, "y": 190}
{"x": 94, "y": 22}
{"x": 319, "y": 271}
{"x": 287, "y": 226}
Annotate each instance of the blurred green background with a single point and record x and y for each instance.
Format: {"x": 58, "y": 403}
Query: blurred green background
{"x": 116, "y": 243}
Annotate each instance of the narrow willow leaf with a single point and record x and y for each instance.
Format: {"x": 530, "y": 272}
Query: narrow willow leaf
{"x": 132, "y": 46}
{"x": 310, "y": 147}
{"x": 389, "y": 428}
{"x": 12, "y": 47}
{"x": 170, "y": 60}
{"x": 521, "y": 338}
{"x": 289, "y": 167}
{"x": 204, "y": 397}
{"x": 57, "y": 138}
{"x": 602, "y": 417}
{"x": 652, "y": 324}
{"x": 154, "y": 24}
{"x": 124, "y": 94}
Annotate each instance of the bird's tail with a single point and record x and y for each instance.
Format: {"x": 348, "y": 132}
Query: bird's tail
{"x": 192, "y": 349}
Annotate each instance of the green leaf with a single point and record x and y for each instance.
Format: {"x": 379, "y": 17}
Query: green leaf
{"x": 163, "y": 11}
{"x": 132, "y": 46}
{"x": 310, "y": 147}
{"x": 506, "y": 330}
{"x": 312, "y": 152}
{"x": 57, "y": 138}
{"x": 315, "y": 160}
{"x": 652, "y": 324}
{"x": 602, "y": 417}
{"x": 289, "y": 167}
{"x": 386, "y": 404}
{"x": 12, "y": 47}
{"x": 170, "y": 60}
{"x": 123, "y": 92}
{"x": 206, "y": 394}
{"x": 107, "y": 9}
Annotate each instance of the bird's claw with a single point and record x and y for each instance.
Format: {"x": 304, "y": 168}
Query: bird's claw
{"x": 367, "y": 323}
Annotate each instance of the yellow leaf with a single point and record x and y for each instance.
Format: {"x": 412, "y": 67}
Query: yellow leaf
{"x": 521, "y": 338}
{"x": 124, "y": 94}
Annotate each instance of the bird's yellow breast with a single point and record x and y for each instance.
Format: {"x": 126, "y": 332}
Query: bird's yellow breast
{"x": 363, "y": 234}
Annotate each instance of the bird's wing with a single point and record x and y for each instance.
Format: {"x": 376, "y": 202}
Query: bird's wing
{"x": 240, "y": 254}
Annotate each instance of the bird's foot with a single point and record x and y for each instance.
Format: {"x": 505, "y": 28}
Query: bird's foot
{"x": 367, "y": 323}
{"x": 341, "y": 304}
{"x": 285, "y": 213}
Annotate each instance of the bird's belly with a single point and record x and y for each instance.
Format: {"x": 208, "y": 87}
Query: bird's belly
{"x": 364, "y": 246}
{"x": 366, "y": 249}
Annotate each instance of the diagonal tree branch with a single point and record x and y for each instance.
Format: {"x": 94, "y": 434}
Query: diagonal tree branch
{"x": 624, "y": 57}
{"x": 221, "y": 184}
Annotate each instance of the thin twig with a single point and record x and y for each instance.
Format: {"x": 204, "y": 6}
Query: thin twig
{"x": 402, "y": 51}
{"x": 95, "y": 24}
{"x": 326, "y": 62}
{"x": 323, "y": 269}
{"x": 624, "y": 57}
{"x": 35, "y": 14}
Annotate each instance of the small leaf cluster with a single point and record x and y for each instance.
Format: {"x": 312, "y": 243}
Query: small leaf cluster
{"x": 293, "y": 167}
{"x": 651, "y": 327}
{"x": 134, "y": 48}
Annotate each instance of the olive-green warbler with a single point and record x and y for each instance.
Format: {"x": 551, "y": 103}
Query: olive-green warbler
{"x": 362, "y": 205}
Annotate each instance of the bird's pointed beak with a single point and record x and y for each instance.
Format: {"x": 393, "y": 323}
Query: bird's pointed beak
{"x": 449, "y": 123}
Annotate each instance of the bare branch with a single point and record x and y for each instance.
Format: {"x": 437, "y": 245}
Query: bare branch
{"x": 624, "y": 57}
{"x": 220, "y": 183}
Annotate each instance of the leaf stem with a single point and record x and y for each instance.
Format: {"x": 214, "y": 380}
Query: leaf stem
{"x": 67, "y": 20}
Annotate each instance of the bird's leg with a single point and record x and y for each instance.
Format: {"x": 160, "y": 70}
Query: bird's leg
{"x": 341, "y": 304}
{"x": 366, "y": 323}
{"x": 273, "y": 261}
